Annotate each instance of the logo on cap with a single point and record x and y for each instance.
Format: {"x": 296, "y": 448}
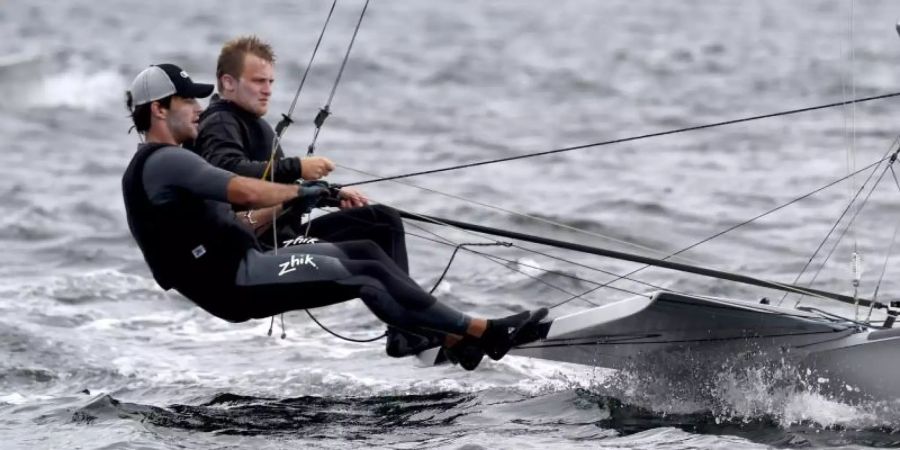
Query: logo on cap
{"x": 184, "y": 74}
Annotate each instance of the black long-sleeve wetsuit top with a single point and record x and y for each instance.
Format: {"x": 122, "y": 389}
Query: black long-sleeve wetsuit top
{"x": 238, "y": 141}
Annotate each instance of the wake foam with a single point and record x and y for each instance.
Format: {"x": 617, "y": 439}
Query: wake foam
{"x": 749, "y": 394}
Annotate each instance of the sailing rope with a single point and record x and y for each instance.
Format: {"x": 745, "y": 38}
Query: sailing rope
{"x": 841, "y": 236}
{"x": 453, "y": 256}
{"x": 887, "y": 258}
{"x": 891, "y": 159}
{"x": 520, "y": 214}
{"x": 280, "y": 128}
{"x": 753, "y": 219}
{"x": 714, "y": 236}
{"x": 287, "y": 120}
{"x": 319, "y": 120}
{"x": 850, "y": 132}
{"x": 512, "y": 264}
{"x": 504, "y": 261}
{"x": 325, "y": 111}
{"x": 508, "y": 262}
{"x": 627, "y": 139}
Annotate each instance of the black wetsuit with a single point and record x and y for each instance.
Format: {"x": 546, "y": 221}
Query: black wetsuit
{"x": 240, "y": 142}
{"x": 177, "y": 212}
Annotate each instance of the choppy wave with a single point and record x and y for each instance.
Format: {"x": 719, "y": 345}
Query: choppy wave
{"x": 97, "y": 356}
{"x": 377, "y": 420}
{"x": 82, "y": 89}
{"x": 310, "y": 417}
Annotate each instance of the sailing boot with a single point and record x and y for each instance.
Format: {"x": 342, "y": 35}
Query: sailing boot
{"x": 503, "y": 334}
{"x": 466, "y": 353}
{"x": 402, "y": 343}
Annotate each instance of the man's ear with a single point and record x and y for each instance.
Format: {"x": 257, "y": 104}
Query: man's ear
{"x": 229, "y": 83}
{"x": 157, "y": 110}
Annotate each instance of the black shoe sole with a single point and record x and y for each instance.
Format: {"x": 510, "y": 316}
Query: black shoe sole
{"x": 402, "y": 343}
{"x": 464, "y": 353}
{"x": 524, "y": 333}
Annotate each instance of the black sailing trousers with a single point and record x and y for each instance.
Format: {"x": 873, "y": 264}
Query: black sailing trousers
{"x": 321, "y": 274}
{"x": 377, "y": 223}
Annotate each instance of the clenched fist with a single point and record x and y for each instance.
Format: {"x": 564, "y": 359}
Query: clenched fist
{"x": 315, "y": 167}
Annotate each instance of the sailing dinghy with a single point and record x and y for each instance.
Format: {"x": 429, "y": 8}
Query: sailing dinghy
{"x": 849, "y": 359}
{"x": 837, "y": 356}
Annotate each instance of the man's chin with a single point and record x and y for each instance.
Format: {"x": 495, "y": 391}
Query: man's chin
{"x": 188, "y": 136}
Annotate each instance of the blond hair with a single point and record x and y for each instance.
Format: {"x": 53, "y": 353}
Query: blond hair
{"x": 231, "y": 58}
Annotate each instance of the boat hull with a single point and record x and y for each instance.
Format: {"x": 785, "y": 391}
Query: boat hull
{"x": 833, "y": 357}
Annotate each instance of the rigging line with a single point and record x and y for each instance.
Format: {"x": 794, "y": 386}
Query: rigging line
{"x": 280, "y": 128}
{"x": 621, "y": 140}
{"x": 489, "y": 257}
{"x": 893, "y": 239}
{"x": 557, "y": 273}
{"x": 844, "y": 232}
{"x": 453, "y": 256}
{"x": 852, "y": 107}
{"x": 309, "y": 65}
{"x": 769, "y": 284}
{"x": 887, "y": 258}
{"x": 285, "y": 122}
{"x": 504, "y": 261}
{"x": 325, "y": 111}
{"x": 894, "y": 174}
{"x": 596, "y": 269}
{"x": 561, "y": 274}
{"x": 831, "y": 231}
{"x": 361, "y": 341}
{"x": 530, "y": 250}
{"x": 734, "y": 227}
{"x": 855, "y": 257}
{"x": 382, "y": 335}
{"x": 708, "y": 272}
{"x": 287, "y": 119}
{"x": 537, "y": 252}
{"x": 889, "y": 156}
{"x": 727, "y": 230}
{"x": 527, "y": 216}
{"x": 498, "y": 260}
{"x": 430, "y": 219}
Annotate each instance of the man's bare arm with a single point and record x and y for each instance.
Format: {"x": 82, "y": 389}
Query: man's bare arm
{"x": 249, "y": 192}
{"x": 258, "y": 219}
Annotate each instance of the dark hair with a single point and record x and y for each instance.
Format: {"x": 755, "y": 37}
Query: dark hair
{"x": 140, "y": 114}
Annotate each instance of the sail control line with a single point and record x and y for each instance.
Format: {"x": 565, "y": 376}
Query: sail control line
{"x": 626, "y": 139}
{"x": 641, "y": 259}
{"x": 325, "y": 111}
{"x": 890, "y": 156}
{"x": 280, "y": 128}
{"x": 287, "y": 120}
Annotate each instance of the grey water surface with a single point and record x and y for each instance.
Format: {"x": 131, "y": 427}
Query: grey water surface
{"x": 93, "y": 355}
